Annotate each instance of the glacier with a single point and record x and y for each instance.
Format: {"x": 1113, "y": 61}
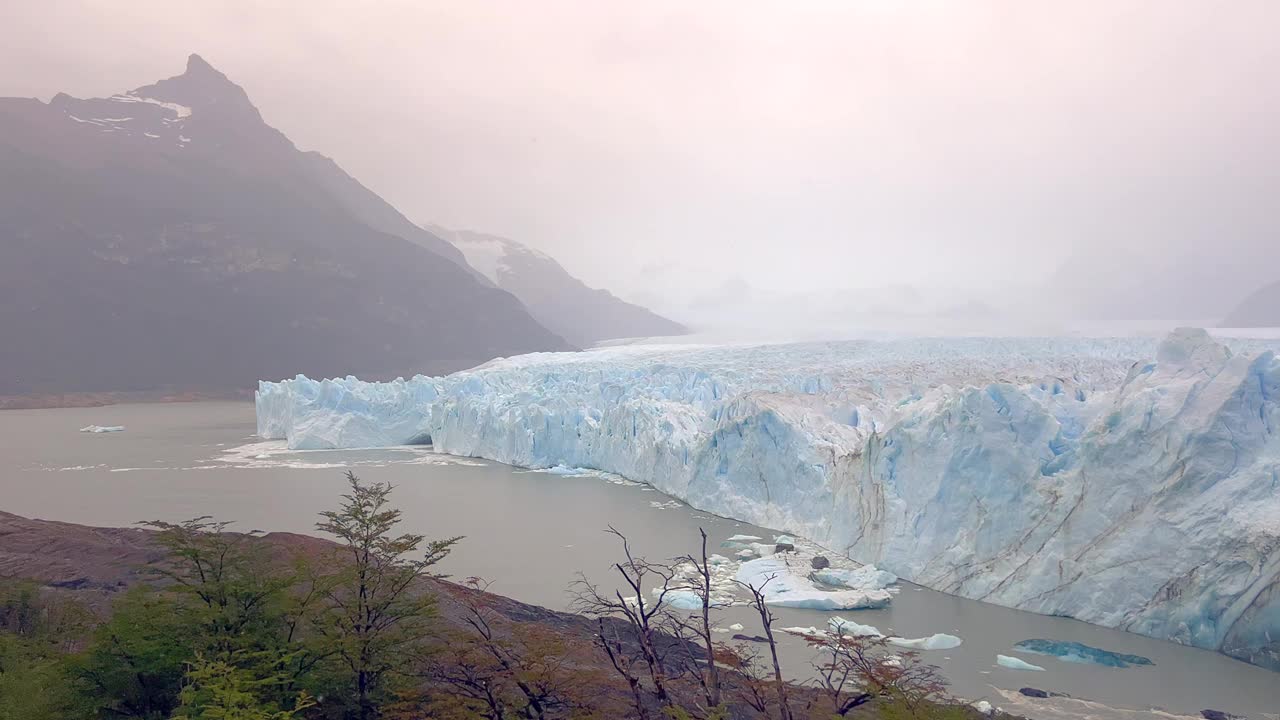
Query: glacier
{"x": 1127, "y": 482}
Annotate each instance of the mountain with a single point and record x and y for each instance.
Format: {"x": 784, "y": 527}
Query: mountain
{"x": 560, "y": 301}
{"x": 168, "y": 237}
{"x": 1261, "y": 309}
{"x": 1177, "y": 284}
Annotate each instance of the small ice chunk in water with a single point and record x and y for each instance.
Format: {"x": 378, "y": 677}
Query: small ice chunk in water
{"x": 783, "y": 585}
{"x": 680, "y": 599}
{"x": 102, "y": 428}
{"x": 939, "y": 641}
{"x": 984, "y": 707}
{"x": 849, "y": 628}
{"x": 803, "y": 631}
{"x": 736, "y": 626}
{"x": 1014, "y": 663}
{"x": 819, "y": 600}
{"x": 745, "y": 538}
{"x": 684, "y": 599}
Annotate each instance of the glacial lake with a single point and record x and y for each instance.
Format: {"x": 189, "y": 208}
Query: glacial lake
{"x": 531, "y": 533}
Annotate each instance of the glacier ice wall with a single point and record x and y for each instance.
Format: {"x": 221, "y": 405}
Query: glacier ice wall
{"x": 1116, "y": 481}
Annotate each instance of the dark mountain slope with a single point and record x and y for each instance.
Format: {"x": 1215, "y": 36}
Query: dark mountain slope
{"x": 168, "y": 238}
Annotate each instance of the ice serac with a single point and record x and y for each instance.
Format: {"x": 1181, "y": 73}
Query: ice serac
{"x": 1122, "y": 482}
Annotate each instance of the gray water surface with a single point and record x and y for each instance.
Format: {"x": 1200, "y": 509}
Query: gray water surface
{"x": 531, "y": 533}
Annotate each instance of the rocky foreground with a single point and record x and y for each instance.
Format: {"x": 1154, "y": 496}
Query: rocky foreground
{"x": 95, "y": 565}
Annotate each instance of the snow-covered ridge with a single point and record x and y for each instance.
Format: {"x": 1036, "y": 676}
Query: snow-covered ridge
{"x": 128, "y": 114}
{"x": 490, "y": 255}
{"x": 181, "y": 112}
{"x": 1116, "y": 481}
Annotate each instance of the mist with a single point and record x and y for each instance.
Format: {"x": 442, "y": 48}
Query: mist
{"x": 974, "y": 166}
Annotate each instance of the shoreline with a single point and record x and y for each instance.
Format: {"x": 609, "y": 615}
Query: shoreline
{"x": 53, "y": 401}
{"x": 96, "y": 564}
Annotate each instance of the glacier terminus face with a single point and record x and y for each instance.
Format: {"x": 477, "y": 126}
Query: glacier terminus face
{"x": 1125, "y": 482}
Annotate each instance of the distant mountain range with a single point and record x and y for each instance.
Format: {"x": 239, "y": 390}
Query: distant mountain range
{"x": 167, "y": 237}
{"x": 1261, "y": 309}
{"x": 560, "y": 301}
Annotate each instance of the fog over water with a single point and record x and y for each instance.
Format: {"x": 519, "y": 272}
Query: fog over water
{"x": 1023, "y": 166}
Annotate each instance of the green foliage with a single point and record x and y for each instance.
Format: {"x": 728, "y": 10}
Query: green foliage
{"x": 228, "y": 632}
{"x": 135, "y": 664}
{"x": 899, "y": 706}
{"x": 227, "y": 585}
{"x": 41, "y": 618}
{"x": 36, "y": 631}
{"x": 20, "y": 608}
{"x": 35, "y": 685}
{"x": 374, "y": 612}
{"x": 225, "y": 690}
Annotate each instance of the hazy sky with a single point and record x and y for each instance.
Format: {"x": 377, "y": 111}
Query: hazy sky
{"x": 784, "y": 145}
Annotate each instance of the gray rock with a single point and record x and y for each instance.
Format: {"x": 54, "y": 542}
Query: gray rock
{"x": 1033, "y": 692}
{"x": 819, "y": 562}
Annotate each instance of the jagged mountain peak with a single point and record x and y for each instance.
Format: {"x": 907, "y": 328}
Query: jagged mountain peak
{"x": 198, "y": 112}
{"x": 178, "y": 240}
{"x": 202, "y": 86}
{"x": 197, "y": 65}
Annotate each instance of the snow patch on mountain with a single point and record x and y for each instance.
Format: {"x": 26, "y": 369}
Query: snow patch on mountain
{"x": 492, "y": 256}
{"x": 181, "y": 112}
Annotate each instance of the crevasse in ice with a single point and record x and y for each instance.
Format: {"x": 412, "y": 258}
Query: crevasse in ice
{"x": 1117, "y": 481}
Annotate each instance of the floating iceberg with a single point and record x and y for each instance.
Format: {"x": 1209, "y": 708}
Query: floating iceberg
{"x": 680, "y": 599}
{"x": 848, "y": 628}
{"x": 1116, "y": 481}
{"x": 102, "y": 428}
{"x": 785, "y": 586}
{"x": 806, "y": 631}
{"x": 1013, "y": 663}
{"x": 1080, "y": 653}
{"x": 938, "y": 641}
